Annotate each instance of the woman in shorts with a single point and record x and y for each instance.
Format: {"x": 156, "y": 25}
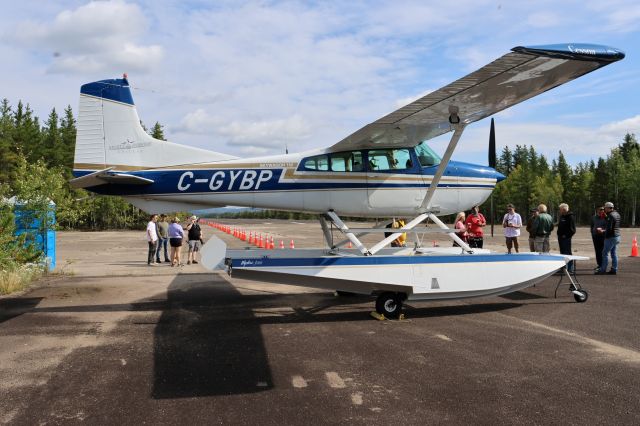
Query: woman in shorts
{"x": 176, "y": 235}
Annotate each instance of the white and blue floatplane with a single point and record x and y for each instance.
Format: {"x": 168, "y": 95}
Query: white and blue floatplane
{"x": 385, "y": 169}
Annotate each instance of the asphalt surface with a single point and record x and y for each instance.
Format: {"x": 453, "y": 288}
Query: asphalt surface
{"x": 116, "y": 342}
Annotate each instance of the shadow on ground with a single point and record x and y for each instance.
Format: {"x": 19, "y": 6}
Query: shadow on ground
{"x": 14, "y": 306}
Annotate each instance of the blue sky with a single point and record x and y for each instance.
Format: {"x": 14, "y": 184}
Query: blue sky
{"x": 248, "y": 78}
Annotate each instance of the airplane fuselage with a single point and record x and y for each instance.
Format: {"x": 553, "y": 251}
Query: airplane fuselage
{"x": 365, "y": 183}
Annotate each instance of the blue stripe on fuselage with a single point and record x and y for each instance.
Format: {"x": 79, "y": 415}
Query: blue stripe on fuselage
{"x": 243, "y": 180}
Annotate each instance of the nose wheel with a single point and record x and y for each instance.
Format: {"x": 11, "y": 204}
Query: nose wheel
{"x": 390, "y": 304}
{"x": 579, "y": 294}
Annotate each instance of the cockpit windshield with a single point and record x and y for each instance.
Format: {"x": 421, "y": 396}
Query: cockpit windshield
{"x": 426, "y": 155}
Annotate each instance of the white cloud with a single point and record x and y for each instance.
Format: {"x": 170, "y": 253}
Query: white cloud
{"x": 629, "y": 125}
{"x": 267, "y": 133}
{"x": 263, "y": 134}
{"x": 94, "y": 37}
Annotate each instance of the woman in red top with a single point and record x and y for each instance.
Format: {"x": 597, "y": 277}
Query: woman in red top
{"x": 475, "y": 222}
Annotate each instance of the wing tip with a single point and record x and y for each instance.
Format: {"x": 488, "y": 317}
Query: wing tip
{"x": 575, "y": 51}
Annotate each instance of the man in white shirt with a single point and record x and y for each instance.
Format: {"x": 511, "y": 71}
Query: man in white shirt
{"x": 152, "y": 239}
{"x": 512, "y": 222}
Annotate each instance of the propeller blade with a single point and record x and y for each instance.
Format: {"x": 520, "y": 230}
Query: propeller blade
{"x": 492, "y": 146}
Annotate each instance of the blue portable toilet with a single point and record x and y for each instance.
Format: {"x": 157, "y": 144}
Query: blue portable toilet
{"x": 43, "y": 236}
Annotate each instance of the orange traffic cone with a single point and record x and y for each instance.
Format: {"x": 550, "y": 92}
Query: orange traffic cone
{"x": 271, "y": 244}
{"x": 291, "y": 245}
{"x": 634, "y": 247}
{"x": 349, "y": 245}
{"x": 281, "y": 244}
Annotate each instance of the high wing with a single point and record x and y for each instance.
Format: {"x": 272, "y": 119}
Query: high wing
{"x": 519, "y": 75}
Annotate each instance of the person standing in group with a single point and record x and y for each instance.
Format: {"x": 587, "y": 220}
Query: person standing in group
{"x": 533, "y": 213}
{"x": 163, "y": 238}
{"x": 461, "y": 229}
{"x": 598, "y": 228}
{"x": 542, "y": 227}
{"x": 152, "y": 239}
{"x": 611, "y": 240}
{"x": 474, "y": 223}
{"x": 195, "y": 239}
{"x": 512, "y": 222}
{"x": 176, "y": 235}
{"x": 566, "y": 230}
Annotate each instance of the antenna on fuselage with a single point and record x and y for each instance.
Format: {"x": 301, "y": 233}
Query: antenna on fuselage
{"x": 286, "y": 149}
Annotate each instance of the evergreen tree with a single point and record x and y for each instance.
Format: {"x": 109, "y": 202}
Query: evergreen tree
{"x": 157, "y": 132}
{"x": 504, "y": 164}
{"x": 8, "y": 151}
{"x": 67, "y": 138}
{"x": 51, "y": 141}
{"x": 26, "y": 135}
{"x": 629, "y": 147}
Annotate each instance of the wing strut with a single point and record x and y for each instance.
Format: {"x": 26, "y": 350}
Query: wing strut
{"x": 458, "y": 128}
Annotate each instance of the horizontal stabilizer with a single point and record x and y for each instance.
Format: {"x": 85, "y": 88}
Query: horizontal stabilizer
{"x": 106, "y": 176}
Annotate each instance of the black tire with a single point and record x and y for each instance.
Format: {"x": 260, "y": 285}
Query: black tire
{"x": 582, "y": 297}
{"x": 389, "y": 304}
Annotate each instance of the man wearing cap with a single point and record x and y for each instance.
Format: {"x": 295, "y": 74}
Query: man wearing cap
{"x": 611, "y": 240}
{"x": 542, "y": 227}
{"x": 512, "y": 222}
{"x": 533, "y": 213}
{"x": 195, "y": 239}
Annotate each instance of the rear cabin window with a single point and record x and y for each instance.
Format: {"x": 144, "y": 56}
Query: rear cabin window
{"x": 319, "y": 162}
{"x": 336, "y": 162}
{"x": 346, "y": 162}
{"x": 390, "y": 160}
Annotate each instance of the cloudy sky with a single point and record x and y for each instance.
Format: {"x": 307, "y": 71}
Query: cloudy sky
{"x": 249, "y": 78}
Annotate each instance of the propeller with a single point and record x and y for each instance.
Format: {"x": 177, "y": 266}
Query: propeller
{"x": 492, "y": 164}
{"x": 492, "y": 146}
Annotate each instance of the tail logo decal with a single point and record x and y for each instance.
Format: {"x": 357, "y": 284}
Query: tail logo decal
{"x": 128, "y": 144}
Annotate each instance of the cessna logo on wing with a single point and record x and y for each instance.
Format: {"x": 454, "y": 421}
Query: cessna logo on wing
{"x": 226, "y": 180}
{"x": 582, "y": 51}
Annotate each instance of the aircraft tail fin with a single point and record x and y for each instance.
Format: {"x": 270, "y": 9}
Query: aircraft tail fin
{"x": 109, "y": 134}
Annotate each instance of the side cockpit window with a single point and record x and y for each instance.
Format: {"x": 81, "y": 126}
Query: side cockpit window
{"x": 426, "y": 155}
{"x": 386, "y": 160}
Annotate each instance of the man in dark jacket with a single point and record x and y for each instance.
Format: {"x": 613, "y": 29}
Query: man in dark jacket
{"x": 611, "y": 240}
{"x": 566, "y": 229}
{"x": 598, "y": 228}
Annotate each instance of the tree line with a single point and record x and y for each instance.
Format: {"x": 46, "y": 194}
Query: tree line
{"x": 36, "y": 160}
{"x": 531, "y": 180}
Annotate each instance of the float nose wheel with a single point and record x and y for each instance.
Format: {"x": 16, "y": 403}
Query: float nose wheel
{"x": 580, "y": 295}
{"x": 390, "y": 304}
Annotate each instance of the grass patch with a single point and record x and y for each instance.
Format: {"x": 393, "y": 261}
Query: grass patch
{"x": 18, "y": 277}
